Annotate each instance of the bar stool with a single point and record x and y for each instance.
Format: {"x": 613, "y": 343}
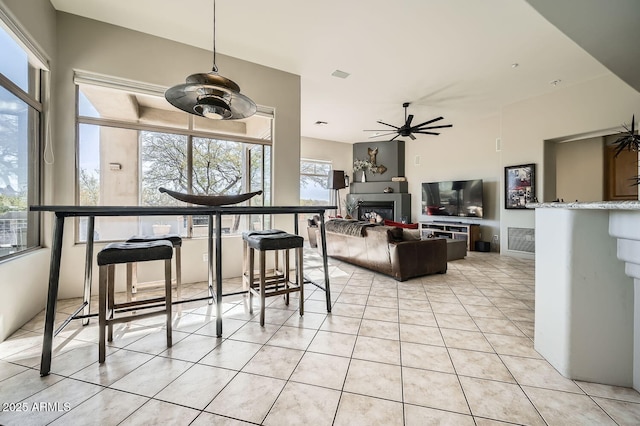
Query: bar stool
{"x": 245, "y": 254}
{"x": 116, "y": 253}
{"x": 277, "y": 282}
{"x": 132, "y": 268}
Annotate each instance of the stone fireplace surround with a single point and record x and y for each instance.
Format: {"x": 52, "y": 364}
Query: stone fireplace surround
{"x": 391, "y": 155}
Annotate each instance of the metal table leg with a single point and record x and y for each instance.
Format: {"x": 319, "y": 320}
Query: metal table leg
{"x": 325, "y": 263}
{"x": 295, "y": 231}
{"x": 88, "y": 266}
{"x": 219, "y": 274}
{"x": 52, "y": 295}
{"x": 210, "y": 259}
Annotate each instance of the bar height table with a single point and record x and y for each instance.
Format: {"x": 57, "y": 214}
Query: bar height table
{"x": 91, "y": 212}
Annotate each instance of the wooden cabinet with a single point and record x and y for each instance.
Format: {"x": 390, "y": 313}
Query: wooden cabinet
{"x": 457, "y": 231}
{"x": 619, "y": 174}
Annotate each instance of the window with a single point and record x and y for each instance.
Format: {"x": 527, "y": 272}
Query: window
{"x": 314, "y": 178}
{"x": 20, "y": 144}
{"x": 132, "y": 143}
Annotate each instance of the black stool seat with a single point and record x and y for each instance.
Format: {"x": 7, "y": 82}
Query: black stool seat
{"x": 132, "y": 270}
{"x": 135, "y": 252}
{"x": 175, "y": 239}
{"x": 280, "y": 241}
{"x": 247, "y": 234}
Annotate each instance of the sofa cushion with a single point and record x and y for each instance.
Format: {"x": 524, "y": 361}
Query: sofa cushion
{"x": 395, "y": 234}
{"x": 411, "y": 235}
{"x": 401, "y": 225}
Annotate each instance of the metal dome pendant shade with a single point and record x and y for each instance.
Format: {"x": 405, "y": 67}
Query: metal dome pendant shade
{"x": 211, "y": 95}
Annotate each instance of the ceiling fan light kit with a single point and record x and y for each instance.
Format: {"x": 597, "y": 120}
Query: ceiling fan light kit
{"x": 407, "y": 130}
{"x": 211, "y": 95}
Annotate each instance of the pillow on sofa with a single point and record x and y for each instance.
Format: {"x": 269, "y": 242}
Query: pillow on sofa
{"x": 411, "y": 235}
{"x": 395, "y": 233}
{"x": 388, "y": 222}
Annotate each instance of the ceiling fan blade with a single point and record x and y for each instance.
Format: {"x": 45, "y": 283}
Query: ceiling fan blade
{"x": 384, "y": 134}
{"x": 394, "y": 137}
{"x": 408, "y": 123}
{"x": 435, "y": 127}
{"x": 427, "y": 133}
{"x": 379, "y": 130}
{"x": 427, "y": 122}
{"x": 413, "y": 138}
{"x": 386, "y": 124}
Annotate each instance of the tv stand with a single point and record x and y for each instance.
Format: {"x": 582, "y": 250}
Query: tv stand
{"x": 454, "y": 230}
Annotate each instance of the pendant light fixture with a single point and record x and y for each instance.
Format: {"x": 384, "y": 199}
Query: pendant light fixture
{"x": 211, "y": 95}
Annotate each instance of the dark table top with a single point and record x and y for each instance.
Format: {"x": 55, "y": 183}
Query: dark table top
{"x": 171, "y": 210}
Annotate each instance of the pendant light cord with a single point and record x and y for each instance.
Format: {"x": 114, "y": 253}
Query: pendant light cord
{"x": 215, "y": 67}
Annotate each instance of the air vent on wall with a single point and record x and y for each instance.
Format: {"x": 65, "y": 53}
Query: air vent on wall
{"x": 521, "y": 239}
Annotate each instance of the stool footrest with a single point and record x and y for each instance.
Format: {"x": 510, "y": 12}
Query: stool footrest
{"x": 293, "y": 288}
{"x": 137, "y": 316}
{"x": 268, "y": 278}
{"x": 139, "y": 303}
{"x": 273, "y": 283}
{"x": 152, "y": 285}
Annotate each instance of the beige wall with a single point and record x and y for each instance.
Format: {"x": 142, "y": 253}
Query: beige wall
{"x": 340, "y": 154}
{"x": 579, "y": 170}
{"x": 597, "y": 106}
{"x": 466, "y": 151}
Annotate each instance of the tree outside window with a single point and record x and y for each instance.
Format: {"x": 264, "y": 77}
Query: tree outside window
{"x": 314, "y": 178}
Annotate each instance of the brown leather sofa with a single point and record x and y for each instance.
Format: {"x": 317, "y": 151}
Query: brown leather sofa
{"x": 383, "y": 249}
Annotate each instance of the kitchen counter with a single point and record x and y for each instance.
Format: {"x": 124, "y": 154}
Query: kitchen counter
{"x": 587, "y": 274}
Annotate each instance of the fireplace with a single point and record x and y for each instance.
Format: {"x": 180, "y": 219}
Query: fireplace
{"x": 385, "y": 193}
{"x": 368, "y": 208}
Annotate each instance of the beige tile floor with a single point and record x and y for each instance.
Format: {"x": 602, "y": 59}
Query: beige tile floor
{"x": 452, "y": 349}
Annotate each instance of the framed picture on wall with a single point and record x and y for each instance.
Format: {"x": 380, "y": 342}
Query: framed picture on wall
{"x": 520, "y": 185}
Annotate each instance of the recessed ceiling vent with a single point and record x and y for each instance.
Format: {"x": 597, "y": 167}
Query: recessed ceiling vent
{"x": 340, "y": 74}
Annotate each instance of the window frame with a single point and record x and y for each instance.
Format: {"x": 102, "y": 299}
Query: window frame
{"x": 189, "y": 131}
{"x": 36, "y": 100}
{"x": 316, "y": 161}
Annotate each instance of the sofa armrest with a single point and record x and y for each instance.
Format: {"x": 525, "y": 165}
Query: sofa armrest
{"x": 415, "y": 258}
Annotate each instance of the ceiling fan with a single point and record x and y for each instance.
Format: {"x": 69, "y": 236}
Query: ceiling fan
{"x": 407, "y": 130}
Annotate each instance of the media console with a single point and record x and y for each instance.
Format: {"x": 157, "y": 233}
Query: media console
{"x": 457, "y": 231}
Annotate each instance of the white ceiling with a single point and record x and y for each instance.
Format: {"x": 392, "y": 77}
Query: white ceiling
{"x": 450, "y": 58}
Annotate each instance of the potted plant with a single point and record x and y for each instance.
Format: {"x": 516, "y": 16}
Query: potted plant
{"x": 629, "y": 140}
{"x": 351, "y": 205}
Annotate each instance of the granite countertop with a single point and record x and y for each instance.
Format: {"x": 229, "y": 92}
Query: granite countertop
{"x": 589, "y": 205}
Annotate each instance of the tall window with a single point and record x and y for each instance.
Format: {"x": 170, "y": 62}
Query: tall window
{"x": 131, "y": 144}
{"x": 20, "y": 147}
{"x": 314, "y": 178}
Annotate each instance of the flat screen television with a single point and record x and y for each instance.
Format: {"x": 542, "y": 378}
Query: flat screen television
{"x": 452, "y": 198}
